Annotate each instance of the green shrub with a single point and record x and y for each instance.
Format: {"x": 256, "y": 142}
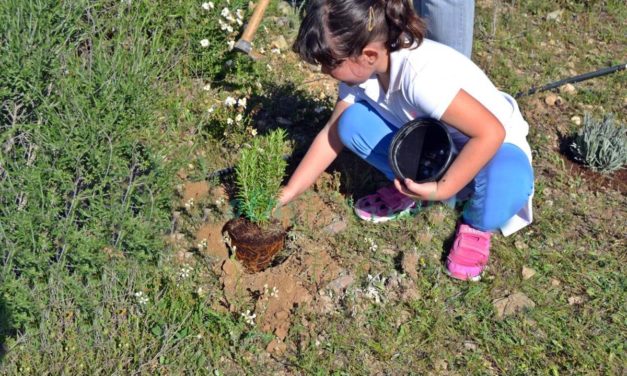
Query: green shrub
{"x": 601, "y": 145}
{"x": 259, "y": 174}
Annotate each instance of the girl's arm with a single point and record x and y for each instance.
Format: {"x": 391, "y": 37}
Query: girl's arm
{"x": 486, "y": 134}
{"x": 323, "y": 150}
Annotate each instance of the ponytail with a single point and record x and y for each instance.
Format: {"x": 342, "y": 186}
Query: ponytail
{"x": 333, "y": 30}
{"x": 404, "y": 26}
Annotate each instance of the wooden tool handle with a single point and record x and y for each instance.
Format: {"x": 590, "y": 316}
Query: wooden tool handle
{"x": 255, "y": 20}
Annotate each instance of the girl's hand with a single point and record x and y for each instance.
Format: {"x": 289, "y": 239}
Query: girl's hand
{"x": 423, "y": 191}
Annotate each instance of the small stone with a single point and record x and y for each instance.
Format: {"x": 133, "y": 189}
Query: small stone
{"x": 553, "y": 99}
{"x": 555, "y": 15}
{"x": 568, "y": 89}
{"x": 340, "y": 284}
{"x": 468, "y": 345}
{"x": 520, "y": 245}
{"x": 555, "y": 282}
{"x": 512, "y": 304}
{"x": 279, "y": 43}
{"x": 527, "y": 273}
{"x": 576, "y": 120}
{"x": 576, "y": 300}
{"x": 336, "y": 227}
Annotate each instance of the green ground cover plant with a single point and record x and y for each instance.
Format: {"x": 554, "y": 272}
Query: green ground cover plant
{"x": 106, "y": 104}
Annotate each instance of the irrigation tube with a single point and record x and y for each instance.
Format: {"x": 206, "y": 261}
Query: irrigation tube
{"x": 582, "y": 77}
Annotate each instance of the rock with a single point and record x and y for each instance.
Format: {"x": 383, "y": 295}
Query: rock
{"x": 512, "y": 304}
{"x": 568, "y": 89}
{"x": 553, "y": 99}
{"x": 555, "y": 15}
{"x": 336, "y": 227}
{"x": 276, "y": 346}
{"x": 279, "y": 43}
{"x": 410, "y": 264}
{"x": 576, "y": 300}
{"x": 468, "y": 345}
{"x": 555, "y": 282}
{"x": 340, "y": 284}
{"x": 527, "y": 273}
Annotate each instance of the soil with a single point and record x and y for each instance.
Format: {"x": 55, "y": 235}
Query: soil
{"x": 209, "y": 241}
{"x": 254, "y": 245}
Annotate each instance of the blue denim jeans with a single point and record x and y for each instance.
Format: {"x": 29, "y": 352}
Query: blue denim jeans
{"x": 500, "y": 189}
{"x": 449, "y": 22}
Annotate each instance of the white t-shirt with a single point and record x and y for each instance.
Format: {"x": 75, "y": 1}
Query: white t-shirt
{"x": 424, "y": 81}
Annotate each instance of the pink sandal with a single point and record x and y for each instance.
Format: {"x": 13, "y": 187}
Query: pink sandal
{"x": 469, "y": 254}
{"x": 384, "y": 205}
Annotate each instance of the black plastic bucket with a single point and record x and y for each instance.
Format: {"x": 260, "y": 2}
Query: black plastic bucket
{"x": 421, "y": 150}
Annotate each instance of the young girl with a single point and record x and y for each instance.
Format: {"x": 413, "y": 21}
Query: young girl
{"x": 389, "y": 74}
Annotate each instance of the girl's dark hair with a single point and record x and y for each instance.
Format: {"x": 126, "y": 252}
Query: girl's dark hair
{"x": 333, "y": 30}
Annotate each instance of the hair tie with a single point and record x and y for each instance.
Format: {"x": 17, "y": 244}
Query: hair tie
{"x": 370, "y": 19}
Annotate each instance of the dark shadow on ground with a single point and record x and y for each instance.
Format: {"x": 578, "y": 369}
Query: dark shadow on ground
{"x": 303, "y": 116}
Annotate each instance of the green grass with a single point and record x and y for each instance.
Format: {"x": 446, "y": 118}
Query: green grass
{"x": 102, "y": 102}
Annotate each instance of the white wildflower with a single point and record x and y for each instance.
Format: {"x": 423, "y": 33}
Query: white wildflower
{"x": 230, "y": 44}
{"x": 199, "y": 290}
{"x": 276, "y": 51}
{"x": 372, "y": 246}
{"x": 274, "y": 293}
{"x": 269, "y": 67}
{"x": 204, "y": 43}
{"x": 225, "y": 12}
{"x": 249, "y": 318}
{"x": 239, "y": 14}
{"x": 141, "y": 298}
{"x": 223, "y": 25}
{"x": 207, "y": 87}
{"x": 238, "y": 118}
{"x": 239, "y": 22}
{"x": 207, "y": 6}
{"x": 229, "y": 29}
{"x": 189, "y": 203}
{"x": 202, "y": 244}
{"x": 185, "y": 271}
{"x": 241, "y": 102}
{"x": 211, "y": 109}
{"x": 229, "y": 121}
{"x": 230, "y": 101}
{"x": 252, "y": 131}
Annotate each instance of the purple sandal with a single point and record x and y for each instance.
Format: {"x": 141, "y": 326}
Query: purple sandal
{"x": 469, "y": 255}
{"x": 384, "y": 205}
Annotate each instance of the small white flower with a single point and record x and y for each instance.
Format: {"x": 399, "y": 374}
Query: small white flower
{"x": 274, "y": 293}
{"x": 211, "y": 109}
{"x": 141, "y": 298}
{"x": 223, "y": 25}
{"x": 276, "y": 51}
{"x": 230, "y": 101}
{"x": 229, "y": 29}
{"x": 204, "y": 43}
{"x": 207, "y": 87}
{"x": 262, "y": 50}
{"x": 231, "y": 44}
{"x": 189, "y": 204}
{"x": 250, "y": 319}
{"x": 239, "y": 14}
{"x": 207, "y": 6}
{"x": 225, "y": 12}
{"x": 269, "y": 67}
{"x": 229, "y": 121}
{"x": 202, "y": 244}
{"x": 185, "y": 271}
{"x": 239, "y": 22}
{"x": 238, "y": 118}
{"x": 241, "y": 102}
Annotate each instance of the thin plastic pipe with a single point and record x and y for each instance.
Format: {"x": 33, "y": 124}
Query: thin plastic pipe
{"x": 570, "y": 80}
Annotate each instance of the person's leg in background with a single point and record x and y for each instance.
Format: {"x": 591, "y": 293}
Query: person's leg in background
{"x": 449, "y": 22}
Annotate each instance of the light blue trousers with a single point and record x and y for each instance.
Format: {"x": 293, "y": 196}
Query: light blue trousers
{"x": 449, "y": 22}
{"x": 500, "y": 189}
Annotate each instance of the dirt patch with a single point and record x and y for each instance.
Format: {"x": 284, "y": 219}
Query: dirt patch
{"x": 209, "y": 241}
{"x": 195, "y": 191}
{"x": 268, "y": 299}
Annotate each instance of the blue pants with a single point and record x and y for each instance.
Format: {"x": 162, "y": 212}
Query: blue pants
{"x": 449, "y": 22}
{"x": 500, "y": 189}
